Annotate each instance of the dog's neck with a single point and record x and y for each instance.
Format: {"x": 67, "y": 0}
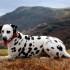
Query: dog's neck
{"x": 14, "y": 36}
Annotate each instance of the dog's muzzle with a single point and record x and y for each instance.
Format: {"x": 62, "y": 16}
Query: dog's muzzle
{"x": 5, "y": 38}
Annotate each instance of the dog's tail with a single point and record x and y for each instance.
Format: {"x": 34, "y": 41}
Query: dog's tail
{"x": 66, "y": 54}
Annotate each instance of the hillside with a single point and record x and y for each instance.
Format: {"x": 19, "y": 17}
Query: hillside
{"x": 30, "y": 17}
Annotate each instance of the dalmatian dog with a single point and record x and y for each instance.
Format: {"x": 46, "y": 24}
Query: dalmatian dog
{"x": 20, "y": 45}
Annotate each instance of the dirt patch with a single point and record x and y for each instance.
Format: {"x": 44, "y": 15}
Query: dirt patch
{"x": 35, "y": 64}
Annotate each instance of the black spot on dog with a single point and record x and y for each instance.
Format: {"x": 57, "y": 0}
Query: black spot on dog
{"x": 14, "y": 28}
{"x": 19, "y": 43}
{"x": 32, "y": 38}
{"x": 47, "y": 49}
{"x": 35, "y": 48}
{"x": 19, "y": 36}
{"x": 13, "y": 49}
{"x": 22, "y": 52}
{"x": 37, "y": 51}
{"x": 29, "y": 50}
{"x": 57, "y": 53}
{"x": 59, "y": 47}
{"x": 32, "y": 53}
{"x": 19, "y": 49}
{"x": 25, "y": 45}
{"x": 26, "y": 54}
{"x": 27, "y": 37}
{"x": 16, "y": 43}
{"x": 1, "y": 28}
{"x": 41, "y": 46}
{"x": 30, "y": 44}
{"x": 52, "y": 47}
{"x": 39, "y": 37}
{"x": 55, "y": 41}
{"x": 23, "y": 49}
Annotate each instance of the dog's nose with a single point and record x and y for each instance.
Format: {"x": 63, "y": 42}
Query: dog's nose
{"x": 5, "y": 38}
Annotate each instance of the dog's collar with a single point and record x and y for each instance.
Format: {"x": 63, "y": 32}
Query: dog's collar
{"x": 14, "y": 36}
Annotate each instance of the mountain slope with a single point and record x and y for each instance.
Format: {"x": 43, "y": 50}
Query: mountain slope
{"x": 30, "y": 17}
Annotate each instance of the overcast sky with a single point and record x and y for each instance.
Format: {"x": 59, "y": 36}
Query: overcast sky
{"x": 10, "y": 5}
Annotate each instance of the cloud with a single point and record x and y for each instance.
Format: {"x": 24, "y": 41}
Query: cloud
{"x": 54, "y": 3}
{"x": 49, "y": 3}
{"x": 1, "y": 13}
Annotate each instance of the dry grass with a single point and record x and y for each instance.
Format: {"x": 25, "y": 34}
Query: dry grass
{"x": 35, "y": 64}
{"x": 68, "y": 50}
{"x": 3, "y": 52}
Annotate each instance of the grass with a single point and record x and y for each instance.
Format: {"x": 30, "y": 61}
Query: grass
{"x": 68, "y": 50}
{"x": 35, "y": 63}
{"x": 3, "y": 52}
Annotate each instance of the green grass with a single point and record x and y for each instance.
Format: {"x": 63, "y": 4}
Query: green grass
{"x": 3, "y": 52}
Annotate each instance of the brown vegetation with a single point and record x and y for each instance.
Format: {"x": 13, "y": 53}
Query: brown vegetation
{"x": 35, "y": 64}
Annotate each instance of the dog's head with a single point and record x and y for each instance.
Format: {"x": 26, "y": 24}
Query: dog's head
{"x": 7, "y": 31}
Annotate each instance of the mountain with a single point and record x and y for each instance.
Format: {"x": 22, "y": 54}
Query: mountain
{"x": 29, "y": 17}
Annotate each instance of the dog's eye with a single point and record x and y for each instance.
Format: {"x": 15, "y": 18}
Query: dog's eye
{"x": 8, "y": 31}
{"x": 2, "y": 31}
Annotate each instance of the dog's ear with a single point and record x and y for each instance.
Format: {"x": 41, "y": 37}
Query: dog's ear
{"x": 14, "y": 27}
{"x": 0, "y": 28}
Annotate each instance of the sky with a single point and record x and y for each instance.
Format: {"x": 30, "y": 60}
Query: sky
{"x": 10, "y": 5}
